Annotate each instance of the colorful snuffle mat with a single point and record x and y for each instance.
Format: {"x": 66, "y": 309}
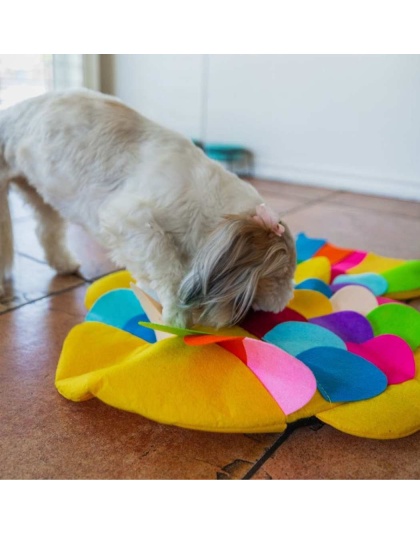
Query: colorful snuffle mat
{"x": 346, "y": 350}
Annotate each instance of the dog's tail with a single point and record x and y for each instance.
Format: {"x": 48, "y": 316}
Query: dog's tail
{"x": 6, "y": 234}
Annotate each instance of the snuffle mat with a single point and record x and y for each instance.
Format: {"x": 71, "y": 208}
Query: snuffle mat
{"x": 345, "y": 350}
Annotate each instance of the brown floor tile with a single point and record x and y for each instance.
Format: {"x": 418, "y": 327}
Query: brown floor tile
{"x": 358, "y": 228}
{"x": 285, "y": 198}
{"x": 282, "y": 204}
{"x": 31, "y": 281}
{"x": 46, "y": 436}
{"x": 279, "y": 188}
{"x": 371, "y": 202}
{"x": 327, "y": 454}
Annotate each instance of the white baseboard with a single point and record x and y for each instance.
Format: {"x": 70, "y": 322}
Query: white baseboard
{"x": 386, "y": 186}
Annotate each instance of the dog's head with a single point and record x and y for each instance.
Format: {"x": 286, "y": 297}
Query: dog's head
{"x": 245, "y": 263}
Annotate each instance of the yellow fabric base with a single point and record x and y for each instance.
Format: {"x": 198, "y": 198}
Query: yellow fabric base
{"x": 373, "y": 263}
{"x": 200, "y": 387}
{"x": 313, "y": 268}
{"x": 310, "y": 303}
{"x": 315, "y": 406}
{"x": 118, "y": 280}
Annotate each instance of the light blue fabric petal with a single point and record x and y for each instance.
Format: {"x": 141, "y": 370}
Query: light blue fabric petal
{"x": 121, "y": 308}
{"x": 373, "y": 281}
{"x": 295, "y": 337}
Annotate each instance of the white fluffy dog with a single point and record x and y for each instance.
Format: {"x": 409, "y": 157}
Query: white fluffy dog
{"x": 196, "y": 234}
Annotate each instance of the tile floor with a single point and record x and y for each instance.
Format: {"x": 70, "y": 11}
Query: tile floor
{"x": 44, "y": 436}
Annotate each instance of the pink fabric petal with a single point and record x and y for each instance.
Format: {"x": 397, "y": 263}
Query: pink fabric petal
{"x": 348, "y": 263}
{"x": 290, "y": 382}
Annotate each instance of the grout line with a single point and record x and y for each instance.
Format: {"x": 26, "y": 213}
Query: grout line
{"x": 77, "y": 274}
{"x": 376, "y": 210}
{"x": 329, "y": 197}
{"x": 28, "y": 257}
{"x": 309, "y": 203}
{"x": 42, "y": 262}
{"x": 271, "y": 450}
{"x": 59, "y": 292}
{"x": 268, "y": 453}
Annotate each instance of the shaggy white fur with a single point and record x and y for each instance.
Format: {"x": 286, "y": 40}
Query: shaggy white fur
{"x": 178, "y": 221}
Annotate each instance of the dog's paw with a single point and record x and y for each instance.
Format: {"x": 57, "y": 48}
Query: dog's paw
{"x": 173, "y": 316}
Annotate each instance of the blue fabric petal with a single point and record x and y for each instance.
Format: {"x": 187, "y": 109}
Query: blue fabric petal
{"x": 342, "y": 376}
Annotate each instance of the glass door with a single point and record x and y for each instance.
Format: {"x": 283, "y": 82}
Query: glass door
{"x": 24, "y": 76}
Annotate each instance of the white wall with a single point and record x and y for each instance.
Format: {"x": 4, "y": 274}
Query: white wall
{"x": 340, "y": 121}
{"x": 165, "y": 88}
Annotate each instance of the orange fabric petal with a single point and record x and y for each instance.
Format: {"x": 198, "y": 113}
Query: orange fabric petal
{"x": 334, "y": 254}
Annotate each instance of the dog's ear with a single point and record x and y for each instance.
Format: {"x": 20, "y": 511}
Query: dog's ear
{"x": 223, "y": 279}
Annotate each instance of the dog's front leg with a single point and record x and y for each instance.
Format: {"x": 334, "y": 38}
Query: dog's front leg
{"x": 162, "y": 268}
{"x": 137, "y": 242}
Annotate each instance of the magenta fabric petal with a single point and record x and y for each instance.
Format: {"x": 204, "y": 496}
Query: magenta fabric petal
{"x": 391, "y": 354}
{"x": 385, "y": 300}
{"x": 290, "y": 382}
{"x": 348, "y": 263}
{"x": 349, "y": 325}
